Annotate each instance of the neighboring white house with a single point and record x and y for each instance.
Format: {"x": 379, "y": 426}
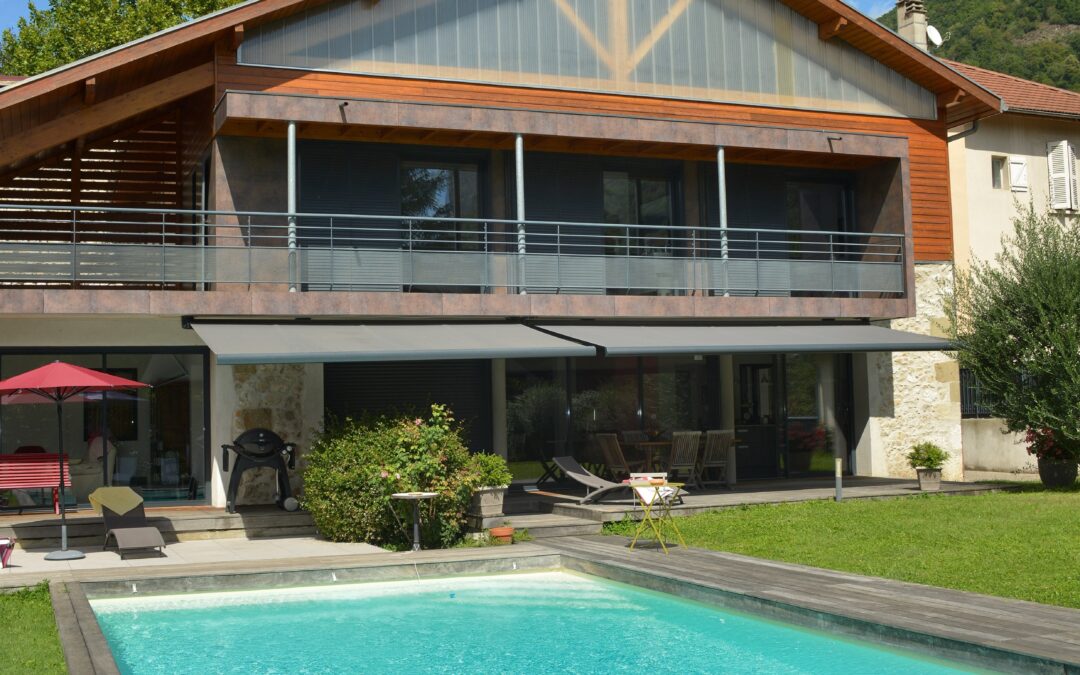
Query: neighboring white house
{"x": 998, "y": 166}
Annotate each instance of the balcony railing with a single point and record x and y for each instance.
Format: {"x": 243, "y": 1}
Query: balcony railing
{"x": 107, "y": 247}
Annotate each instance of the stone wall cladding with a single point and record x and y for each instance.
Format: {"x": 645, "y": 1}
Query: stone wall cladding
{"x": 924, "y": 387}
{"x": 269, "y": 396}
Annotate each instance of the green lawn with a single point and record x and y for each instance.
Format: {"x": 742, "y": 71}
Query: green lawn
{"x": 28, "y": 639}
{"x": 525, "y": 469}
{"x": 1024, "y": 544}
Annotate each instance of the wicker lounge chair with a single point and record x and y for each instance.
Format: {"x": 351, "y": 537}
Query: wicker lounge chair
{"x": 598, "y": 487}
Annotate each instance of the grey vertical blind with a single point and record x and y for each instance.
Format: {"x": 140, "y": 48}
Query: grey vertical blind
{"x": 738, "y": 51}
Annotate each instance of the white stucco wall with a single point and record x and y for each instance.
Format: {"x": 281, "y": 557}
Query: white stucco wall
{"x": 982, "y": 214}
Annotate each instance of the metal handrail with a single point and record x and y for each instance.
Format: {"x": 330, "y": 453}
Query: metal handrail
{"x": 101, "y": 242}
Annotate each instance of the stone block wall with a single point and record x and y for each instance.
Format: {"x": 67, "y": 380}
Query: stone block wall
{"x": 916, "y": 395}
{"x": 285, "y": 398}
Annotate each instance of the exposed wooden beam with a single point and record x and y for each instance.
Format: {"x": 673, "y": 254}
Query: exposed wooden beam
{"x": 111, "y": 111}
{"x": 237, "y": 36}
{"x": 90, "y": 91}
{"x": 658, "y": 31}
{"x": 951, "y": 98}
{"x": 830, "y": 29}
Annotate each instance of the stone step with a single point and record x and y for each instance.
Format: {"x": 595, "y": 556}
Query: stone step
{"x": 86, "y": 529}
{"x": 543, "y": 525}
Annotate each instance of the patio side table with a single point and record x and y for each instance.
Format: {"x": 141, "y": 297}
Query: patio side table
{"x": 415, "y": 498}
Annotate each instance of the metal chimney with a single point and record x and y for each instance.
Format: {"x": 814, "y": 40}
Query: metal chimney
{"x": 911, "y": 21}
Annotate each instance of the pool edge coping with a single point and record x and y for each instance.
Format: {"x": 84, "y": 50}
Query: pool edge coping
{"x": 79, "y": 627}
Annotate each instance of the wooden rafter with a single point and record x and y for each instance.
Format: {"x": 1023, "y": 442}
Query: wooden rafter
{"x": 830, "y": 29}
{"x": 106, "y": 113}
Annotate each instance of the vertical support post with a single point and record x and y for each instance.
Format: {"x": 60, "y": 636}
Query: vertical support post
{"x": 727, "y": 411}
{"x": 291, "y": 188}
{"x": 826, "y": 395}
{"x": 519, "y": 189}
{"x": 499, "y": 440}
{"x": 721, "y": 173}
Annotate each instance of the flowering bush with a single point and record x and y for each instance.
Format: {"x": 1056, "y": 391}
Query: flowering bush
{"x": 354, "y": 467}
{"x": 809, "y": 440}
{"x": 1043, "y": 445}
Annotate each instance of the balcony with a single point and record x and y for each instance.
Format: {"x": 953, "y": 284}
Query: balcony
{"x": 52, "y": 246}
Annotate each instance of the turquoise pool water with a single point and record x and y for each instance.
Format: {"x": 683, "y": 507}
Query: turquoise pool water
{"x": 547, "y": 622}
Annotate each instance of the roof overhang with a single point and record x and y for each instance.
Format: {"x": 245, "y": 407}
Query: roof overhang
{"x": 171, "y": 51}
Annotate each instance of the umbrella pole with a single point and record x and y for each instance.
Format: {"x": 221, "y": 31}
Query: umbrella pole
{"x": 63, "y": 553}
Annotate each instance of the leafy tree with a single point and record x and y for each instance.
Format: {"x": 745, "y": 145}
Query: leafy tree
{"x": 1016, "y": 322}
{"x": 1034, "y": 39}
{"x": 68, "y": 30}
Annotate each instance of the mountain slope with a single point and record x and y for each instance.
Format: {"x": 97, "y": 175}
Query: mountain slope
{"x": 1035, "y": 39}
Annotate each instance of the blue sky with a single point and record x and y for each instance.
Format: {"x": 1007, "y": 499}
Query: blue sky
{"x": 11, "y": 10}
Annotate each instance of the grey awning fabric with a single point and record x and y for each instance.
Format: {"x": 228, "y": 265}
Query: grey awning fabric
{"x": 646, "y": 340}
{"x": 247, "y": 343}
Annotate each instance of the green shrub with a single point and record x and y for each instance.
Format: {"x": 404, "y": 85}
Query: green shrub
{"x": 927, "y": 456}
{"x": 353, "y": 468}
{"x": 491, "y": 470}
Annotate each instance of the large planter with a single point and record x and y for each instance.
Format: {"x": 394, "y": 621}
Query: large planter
{"x": 1057, "y": 473}
{"x": 488, "y": 502}
{"x": 929, "y": 479}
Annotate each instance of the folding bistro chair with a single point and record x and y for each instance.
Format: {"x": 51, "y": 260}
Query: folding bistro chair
{"x": 655, "y": 498}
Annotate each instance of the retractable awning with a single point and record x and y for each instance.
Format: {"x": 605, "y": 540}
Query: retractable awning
{"x": 248, "y": 343}
{"x": 648, "y": 340}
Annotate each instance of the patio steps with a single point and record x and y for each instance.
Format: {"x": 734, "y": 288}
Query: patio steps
{"x": 544, "y": 525}
{"x": 39, "y": 531}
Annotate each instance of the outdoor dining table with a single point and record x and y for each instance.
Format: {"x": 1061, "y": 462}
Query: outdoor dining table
{"x": 650, "y": 449}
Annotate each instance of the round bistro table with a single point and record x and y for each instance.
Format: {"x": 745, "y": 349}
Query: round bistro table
{"x": 415, "y": 498}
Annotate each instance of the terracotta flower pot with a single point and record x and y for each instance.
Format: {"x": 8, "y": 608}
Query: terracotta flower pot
{"x": 504, "y": 535}
{"x": 1057, "y": 473}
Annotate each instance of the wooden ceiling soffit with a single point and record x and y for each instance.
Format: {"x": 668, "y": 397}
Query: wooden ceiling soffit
{"x": 105, "y": 113}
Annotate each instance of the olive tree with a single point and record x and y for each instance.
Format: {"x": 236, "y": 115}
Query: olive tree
{"x": 1016, "y": 324}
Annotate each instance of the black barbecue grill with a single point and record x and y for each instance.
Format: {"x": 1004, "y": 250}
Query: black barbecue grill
{"x": 257, "y": 448}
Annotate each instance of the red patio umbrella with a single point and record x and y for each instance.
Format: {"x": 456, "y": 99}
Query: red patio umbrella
{"x": 59, "y": 382}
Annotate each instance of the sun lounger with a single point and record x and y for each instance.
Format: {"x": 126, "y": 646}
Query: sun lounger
{"x": 598, "y": 486}
{"x": 125, "y": 520}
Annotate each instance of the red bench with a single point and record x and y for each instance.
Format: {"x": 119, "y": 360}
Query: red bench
{"x": 37, "y": 470}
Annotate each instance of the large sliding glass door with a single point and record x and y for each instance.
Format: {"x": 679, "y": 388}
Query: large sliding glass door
{"x": 154, "y": 440}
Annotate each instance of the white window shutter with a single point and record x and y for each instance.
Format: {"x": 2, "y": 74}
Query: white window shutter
{"x": 1018, "y": 174}
{"x": 1062, "y": 173}
{"x": 1074, "y": 194}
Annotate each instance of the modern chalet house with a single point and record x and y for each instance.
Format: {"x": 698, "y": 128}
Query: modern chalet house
{"x": 560, "y": 217}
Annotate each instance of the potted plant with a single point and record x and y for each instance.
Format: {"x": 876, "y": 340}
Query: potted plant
{"x": 503, "y": 534}
{"x": 493, "y": 477}
{"x": 927, "y": 460}
{"x": 1057, "y": 457}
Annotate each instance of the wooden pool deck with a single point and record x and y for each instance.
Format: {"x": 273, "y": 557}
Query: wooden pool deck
{"x": 997, "y": 625}
{"x": 562, "y": 497}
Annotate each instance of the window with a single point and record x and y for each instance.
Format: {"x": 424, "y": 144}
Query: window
{"x": 974, "y": 401}
{"x": 1061, "y": 161}
{"x": 631, "y": 199}
{"x": 442, "y": 191}
{"x": 997, "y": 172}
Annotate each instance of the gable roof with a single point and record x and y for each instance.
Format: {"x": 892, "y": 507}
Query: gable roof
{"x": 1024, "y": 96}
{"x": 174, "y": 51}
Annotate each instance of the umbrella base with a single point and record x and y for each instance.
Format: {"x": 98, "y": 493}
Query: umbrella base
{"x": 68, "y": 554}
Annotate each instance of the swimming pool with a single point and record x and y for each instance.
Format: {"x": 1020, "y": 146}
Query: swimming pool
{"x": 511, "y": 623}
